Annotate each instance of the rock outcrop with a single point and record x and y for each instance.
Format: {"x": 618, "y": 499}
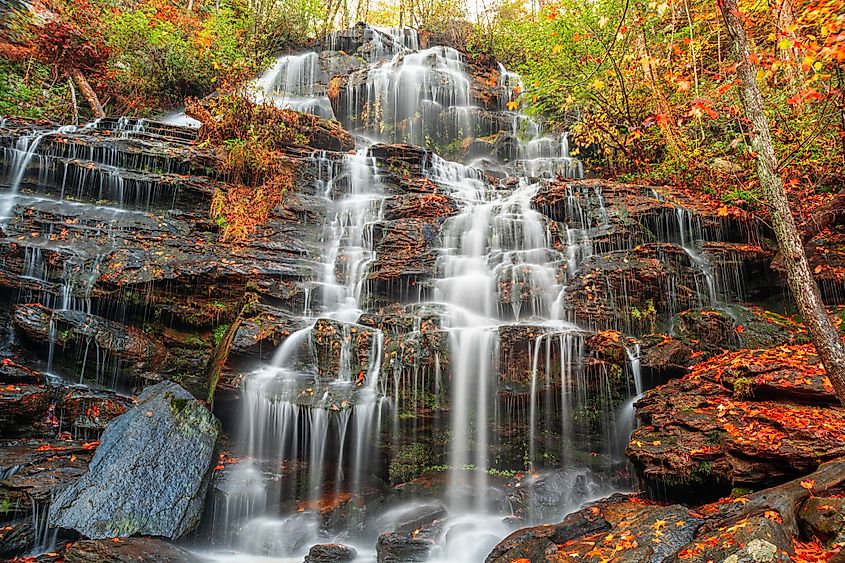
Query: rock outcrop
{"x": 752, "y": 418}
{"x": 150, "y": 474}
{"x": 127, "y": 550}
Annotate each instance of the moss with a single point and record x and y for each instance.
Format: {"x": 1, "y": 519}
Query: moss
{"x": 177, "y": 405}
{"x": 716, "y": 437}
{"x": 740, "y": 492}
{"x": 409, "y": 462}
{"x": 743, "y": 387}
{"x": 219, "y": 332}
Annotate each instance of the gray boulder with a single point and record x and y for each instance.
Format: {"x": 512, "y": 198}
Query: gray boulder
{"x": 150, "y": 473}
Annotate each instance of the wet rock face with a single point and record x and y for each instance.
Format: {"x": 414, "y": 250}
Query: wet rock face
{"x": 344, "y": 350}
{"x": 331, "y": 553}
{"x": 67, "y": 328}
{"x": 719, "y": 427}
{"x": 262, "y": 329}
{"x": 543, "y": 497}
{"x": 128, "y": 550}
{"x": 402, "y": 547}
{"x": 138, "y": 251}
{"x": 86, "y": 412}
{"x": 32, "y": 472}
{"x": 23, "y": 406}
{"x": 629, "y": 290}
{"x": 150, "y": 473}
{"x": 732, "y": 328}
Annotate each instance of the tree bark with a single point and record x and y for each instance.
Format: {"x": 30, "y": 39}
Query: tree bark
{"x": 828, "y": 215}
{"x": 87, "y": 92}
{"x": 804, "y": 289}
{"x": 220, "y": 355}
{"x": 785, "y": 499}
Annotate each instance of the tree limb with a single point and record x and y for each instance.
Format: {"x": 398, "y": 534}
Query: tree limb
{"x": 87, "y": 92}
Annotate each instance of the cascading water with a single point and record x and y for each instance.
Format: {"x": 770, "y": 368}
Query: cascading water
{"x": 477, "y": 371}
{"x": 321, "y": 433}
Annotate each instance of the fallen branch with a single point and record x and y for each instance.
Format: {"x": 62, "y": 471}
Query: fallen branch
{"x": 221, "y": 352}
{"x": 784, "y": 499}
{"x": 87, "y": 92}
{"x": 828, "y": 215}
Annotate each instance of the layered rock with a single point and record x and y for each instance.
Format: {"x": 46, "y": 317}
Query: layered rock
{"x": 32, "y": 473}
{"x": 752, "y": 418}
{"x": 127, "y": 550}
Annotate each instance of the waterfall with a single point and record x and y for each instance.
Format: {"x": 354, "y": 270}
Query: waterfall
{"x": 497, "y": 268}
{"x": 429, "y": 402}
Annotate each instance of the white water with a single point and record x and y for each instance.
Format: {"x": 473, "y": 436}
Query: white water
{"x": 496, "y": 266}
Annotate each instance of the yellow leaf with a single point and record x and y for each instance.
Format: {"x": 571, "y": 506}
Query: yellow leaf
{"x": 808, "y": 484}
{"x": 722, "y": 211}
{"x": 784, "y": 44}
{"x": 603, "y": 21}
{"x": 557, "y": 49}
{"x": 513, "y": 105}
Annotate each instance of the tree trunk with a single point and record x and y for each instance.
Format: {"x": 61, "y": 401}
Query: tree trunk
{"x": 220, "y": 355}
{"x": 806, "y": 293}
{"x": 786, "y": 499}
{"x": 87, "y": 92}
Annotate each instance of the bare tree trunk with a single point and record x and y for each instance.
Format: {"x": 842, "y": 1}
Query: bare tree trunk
{"x": 87, "y": 92}
{"x": 73, "y": 101}
{"x": 806, "y": 293}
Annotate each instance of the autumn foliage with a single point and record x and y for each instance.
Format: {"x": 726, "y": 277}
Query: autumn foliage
{"x": 253, "y": 138}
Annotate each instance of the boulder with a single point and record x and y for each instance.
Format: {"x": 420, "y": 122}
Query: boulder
{"x": 756, "y": 539}
{"x": 540, "y": 542}
{"x": 128, "y": 550}
{"x": 331, "y": 553}
{"x": 618, "y": 528}
{"x": 150, "y": 474}
{"x": 663, "y": 357}
{"x": 402, "y": 547}
{"x": 410, "y": 517}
